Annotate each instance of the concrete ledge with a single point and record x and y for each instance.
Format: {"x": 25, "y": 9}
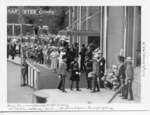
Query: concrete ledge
{"x": 39, "y": 97}
{"x": 14, "y": 62}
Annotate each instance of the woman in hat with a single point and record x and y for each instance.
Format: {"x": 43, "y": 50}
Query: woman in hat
{"x": 54, "y": 59}
{"x": 62, "y": 52}
{"x": 96, "y": 71}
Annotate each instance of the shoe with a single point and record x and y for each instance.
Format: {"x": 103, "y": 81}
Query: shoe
{"x": 102, "y": 87}
{"x": 130, "y": 99}
{"x": 98, "y": 90}
{"x": 64, "y": 91}
{"x": 78, "y": 90}
{"x": 59, "y": 88}
{"x": 93, "y": 92}
{"x": 22, "y": 85}
{"x": 124, "y": 97}
{"x": 120, "y": 96}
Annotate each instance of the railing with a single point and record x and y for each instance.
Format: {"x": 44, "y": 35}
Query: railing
{"x": 33, "y": 75}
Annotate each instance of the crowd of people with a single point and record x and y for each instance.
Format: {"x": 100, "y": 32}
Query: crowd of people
{"x": 62, "y": 57}
{"x": 13, "y": 48}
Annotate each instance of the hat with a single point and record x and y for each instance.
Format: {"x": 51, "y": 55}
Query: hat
{"x": 114, "y": 67}
{"x": 121, "y": 53}
{"x": 100, "y": 52}
{"x": 129, "y": 59}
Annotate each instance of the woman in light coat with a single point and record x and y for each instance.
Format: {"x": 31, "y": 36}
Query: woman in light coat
{"x": 54, "y": 59}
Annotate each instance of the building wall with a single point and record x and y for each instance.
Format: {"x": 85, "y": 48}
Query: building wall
{"x": 130, "y": 24}
{"x": 115, "y": 36}
{"x": 137, "y": 48}
{"x": 122, "y": 31}
{"x": 94, "y": 22}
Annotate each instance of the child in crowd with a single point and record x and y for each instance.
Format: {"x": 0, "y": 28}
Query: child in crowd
{"x": 110, "y": 79}
{"x": 75, "y": 74}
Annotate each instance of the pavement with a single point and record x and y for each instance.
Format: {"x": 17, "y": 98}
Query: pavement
{"x": 18, "y": 94}
{"x": 55, "y": 96}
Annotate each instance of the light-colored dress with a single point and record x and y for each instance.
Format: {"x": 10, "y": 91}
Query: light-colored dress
{"x": 60, "y": 57}
{"x": 45, "y": 55}
{"x": 54, "y": 59}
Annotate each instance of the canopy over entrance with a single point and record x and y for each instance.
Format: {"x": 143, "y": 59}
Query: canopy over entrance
{"x": 79, "y": 32}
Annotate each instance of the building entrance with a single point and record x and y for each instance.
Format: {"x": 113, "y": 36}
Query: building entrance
{"x": 94, "y": 39}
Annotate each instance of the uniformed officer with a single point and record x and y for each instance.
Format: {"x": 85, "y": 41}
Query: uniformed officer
{"x": 121, "y": 74}
{"x": 101, "y": 68}
{"x": 24, "y": 71}
{"x": 129, "y": 79}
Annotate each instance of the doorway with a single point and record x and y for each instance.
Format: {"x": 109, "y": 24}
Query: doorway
{"x": 95, "y": 40}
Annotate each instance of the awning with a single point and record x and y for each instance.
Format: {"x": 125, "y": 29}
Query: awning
{"x": 79, "y": 33}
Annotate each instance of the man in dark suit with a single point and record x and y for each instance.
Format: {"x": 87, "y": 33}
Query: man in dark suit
{"x": 101, "y": 68}
{"x": 129, "y": 79}
{"x": 88, "y": 66}
{"x": 82, "y": 53}
{"x": 13, "y": 50}
{"x": 8, "y": 48}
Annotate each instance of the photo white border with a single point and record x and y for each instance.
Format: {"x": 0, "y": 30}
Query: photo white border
{"x": 144, "y": 105}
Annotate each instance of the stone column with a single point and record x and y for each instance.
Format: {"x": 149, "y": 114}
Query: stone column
{"x": 105, "y": 32}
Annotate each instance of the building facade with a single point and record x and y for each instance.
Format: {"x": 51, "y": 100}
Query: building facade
{"x": 25, "y": 17}
{"x": 111, "y": 28}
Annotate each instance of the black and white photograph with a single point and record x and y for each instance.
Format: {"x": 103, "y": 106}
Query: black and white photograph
{"x": 74, "y": 54}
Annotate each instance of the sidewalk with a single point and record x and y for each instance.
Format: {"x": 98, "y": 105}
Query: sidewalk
{"x": 55, "y": 96}
{"x": 24, "y": 94}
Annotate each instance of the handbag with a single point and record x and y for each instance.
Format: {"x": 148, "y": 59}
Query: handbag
{"x": 90, "y": 75}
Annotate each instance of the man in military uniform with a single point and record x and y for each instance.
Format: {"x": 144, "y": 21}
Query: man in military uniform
{"x": 24, "y": 71}
{"x": 101, "y": 67}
